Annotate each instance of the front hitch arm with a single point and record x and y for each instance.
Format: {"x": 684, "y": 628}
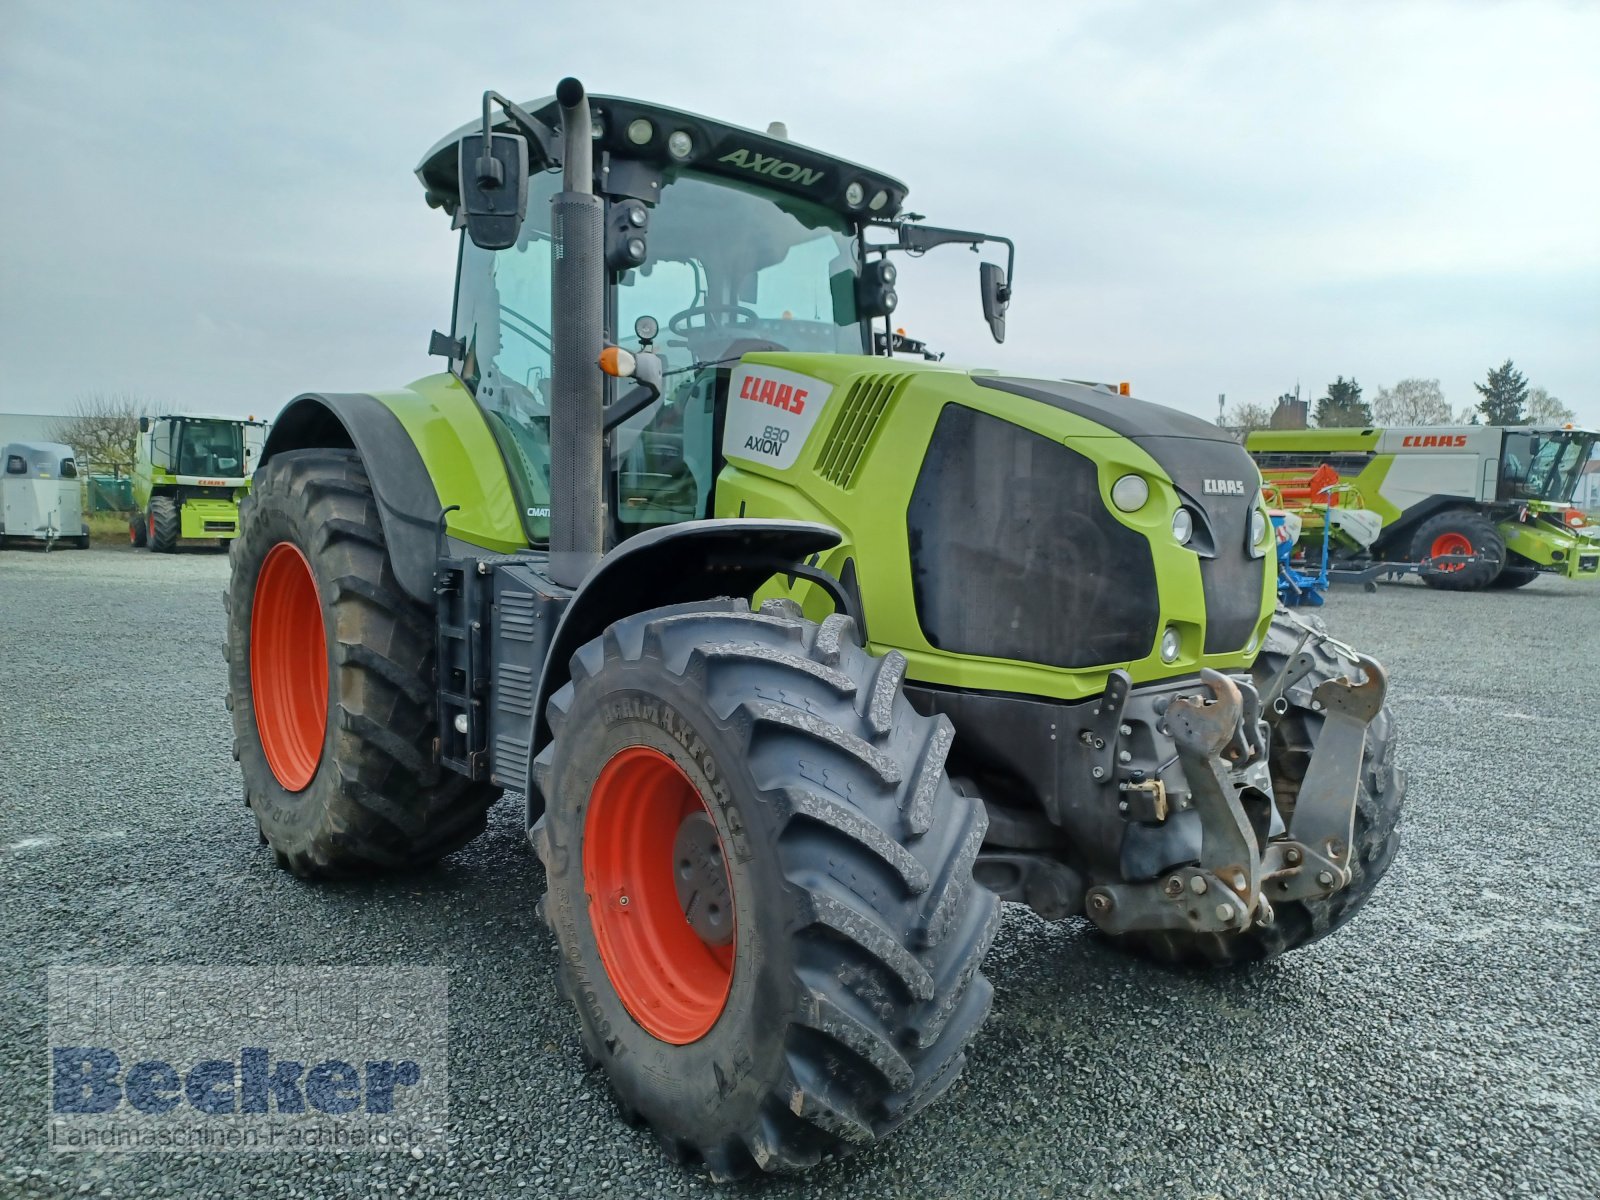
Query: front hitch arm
{"x": 1236, "y": 880}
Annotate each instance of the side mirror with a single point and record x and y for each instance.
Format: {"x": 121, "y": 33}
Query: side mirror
{"x": 494, "y": 187}
{"x": 144, "y": 424}
{"x": 996, "y": 297}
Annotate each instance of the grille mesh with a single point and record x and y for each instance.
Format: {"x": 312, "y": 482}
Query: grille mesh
{"x": 864, "y": 405}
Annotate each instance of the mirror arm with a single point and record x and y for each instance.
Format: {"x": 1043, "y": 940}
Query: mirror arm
{"x": 635, "y": 402}
{"x": 541, "y": 134}
{"x": 921, "y": 238}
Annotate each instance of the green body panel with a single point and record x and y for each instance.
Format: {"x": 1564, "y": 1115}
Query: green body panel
{"x": 222, "y": 517}
{"x": 1311, "y": 441}
{"x": 453, "y": 438}
{"x": 1541, "y": 540}
{"x": 872, "y": 516}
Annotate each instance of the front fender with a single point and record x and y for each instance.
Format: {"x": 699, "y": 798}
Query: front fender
{"x": 677, "y": 564}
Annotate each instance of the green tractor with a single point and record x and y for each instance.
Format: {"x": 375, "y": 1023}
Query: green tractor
{"x": 803, "y": 655}
{"x": 190, "y": 471}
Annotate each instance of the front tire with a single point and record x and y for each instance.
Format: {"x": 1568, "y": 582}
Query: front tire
{"x": 842, "y": 999}
{"x": 162, "y": 525}
{"x": 1460, "y": 531}
{"x": 138, "y": 531}
{"x": 331, "y": 681}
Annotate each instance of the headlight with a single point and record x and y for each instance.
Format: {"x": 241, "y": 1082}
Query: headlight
{"x": 855, "y": 194}
{"x": 1130, "y": 492}
{"x": 1171, "y": 645}
{"x": 680, "y": 144}
{"x": 1182, "y": 526}
{"x": 640, "y": 131}
{"x": 1260, "y": 527}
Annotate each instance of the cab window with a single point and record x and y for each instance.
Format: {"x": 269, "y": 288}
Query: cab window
{"x": 503, "y": 320}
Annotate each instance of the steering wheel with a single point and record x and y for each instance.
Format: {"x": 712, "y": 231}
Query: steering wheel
{"x": 733, "y": 315}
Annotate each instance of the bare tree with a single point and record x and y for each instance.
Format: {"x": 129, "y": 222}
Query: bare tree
{"x": 1545, "y": 409}
{"x": 102, "y": 428}
{"x": 1412, "y": 402}
{"x": 1248, "y": 416}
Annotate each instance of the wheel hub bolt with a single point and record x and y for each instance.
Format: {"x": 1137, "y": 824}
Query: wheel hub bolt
{"x": 1174, "y": 886}
{"x": 1292, "y": 856}
{"x": 1197, "y": 884}
{"x": 1325, "y": 878}
{"x": 1225, "y": 913}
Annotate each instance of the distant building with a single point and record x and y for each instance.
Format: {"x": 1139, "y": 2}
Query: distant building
{"x": 27, "y": 427}
{"x": 1291, "y": 413}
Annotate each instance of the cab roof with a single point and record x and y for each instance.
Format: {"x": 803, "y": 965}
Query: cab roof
{"x": 764, "y": 159}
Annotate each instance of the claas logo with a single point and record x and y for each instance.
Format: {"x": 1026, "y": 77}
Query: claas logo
{"x": 1434, "y": 441}
{"x": 779, "y": 395}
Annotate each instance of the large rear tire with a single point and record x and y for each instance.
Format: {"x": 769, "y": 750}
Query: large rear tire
{"x": 777, "y": 768}
{"x": 1376, "y": 837}
{"x": 162, "y": 525}
{"x": 1460, "y": 531}
{"x": 331, "y": 681}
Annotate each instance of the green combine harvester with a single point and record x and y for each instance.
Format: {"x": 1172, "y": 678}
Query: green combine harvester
{"x": 1466, "y": 506}
{"x": 801, "y": 656}
{"x": 190, "y": 471}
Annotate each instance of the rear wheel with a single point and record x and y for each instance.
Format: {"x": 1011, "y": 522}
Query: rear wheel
{"x": 330, "y": 669}
{"x": 161, "y": 526}
{"x": 1460, "y": 532}
{"x": 1376, "y": 836}
{"x": 138, "y": 531}
{"x": 760, "y": 878}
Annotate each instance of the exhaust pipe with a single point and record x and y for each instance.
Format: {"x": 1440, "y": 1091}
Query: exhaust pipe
{"x": 577, "y": 319}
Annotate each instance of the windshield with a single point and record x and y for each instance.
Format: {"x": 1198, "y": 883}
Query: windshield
{"x": 210, "y": 448}
{"x": 733, "y": 269}
{"x": 1544, "y": 466}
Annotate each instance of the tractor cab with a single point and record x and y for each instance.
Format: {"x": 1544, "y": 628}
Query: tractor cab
{"x": 719, "y": 242}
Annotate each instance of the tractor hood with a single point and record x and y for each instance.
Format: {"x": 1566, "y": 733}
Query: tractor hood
{"x": 1213, "y": 473}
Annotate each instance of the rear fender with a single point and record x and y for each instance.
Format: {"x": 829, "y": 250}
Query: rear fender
{"x": 423, "y": 447}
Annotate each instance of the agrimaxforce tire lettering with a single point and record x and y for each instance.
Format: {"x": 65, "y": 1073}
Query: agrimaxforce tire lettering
{"x": 331, "y": 668}
{"x": 161, "y": 525}
{"x": 844, "y": 998}
{"x": 1460, "y": 531}
{"x": 1376, "y": 837}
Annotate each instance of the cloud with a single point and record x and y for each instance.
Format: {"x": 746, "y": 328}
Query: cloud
{"x": 213, "y": 203}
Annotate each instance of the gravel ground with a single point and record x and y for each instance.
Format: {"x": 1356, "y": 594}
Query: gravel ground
{"x": 1445, "y": 1044}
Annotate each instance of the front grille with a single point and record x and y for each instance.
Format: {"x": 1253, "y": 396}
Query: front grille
{"x": 1014, "y": 555}
{"x": 220, "y": 526}
{"x": 864, "y": 405}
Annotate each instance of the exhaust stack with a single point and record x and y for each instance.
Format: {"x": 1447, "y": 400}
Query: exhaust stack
{"x": 577, "y": 318}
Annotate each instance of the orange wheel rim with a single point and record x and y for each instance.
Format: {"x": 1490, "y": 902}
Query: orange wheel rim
{"x": 289, "y": 666}
{"x": 660, "y": 902}
{"x": 1450, "y": 543}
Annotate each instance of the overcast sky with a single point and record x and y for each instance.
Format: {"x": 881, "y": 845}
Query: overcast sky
{"x": 212, "y": 204}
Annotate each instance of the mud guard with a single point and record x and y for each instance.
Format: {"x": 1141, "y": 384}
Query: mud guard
{"x": 408, "y": 504}
{"x": 677, "y": 564}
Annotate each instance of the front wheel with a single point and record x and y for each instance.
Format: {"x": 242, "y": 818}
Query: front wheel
{"x": 1459, "y": 532}
{"x": 162, "y": 525}
{"x": 330, "y": 674}
{"x": 760, "y": 879}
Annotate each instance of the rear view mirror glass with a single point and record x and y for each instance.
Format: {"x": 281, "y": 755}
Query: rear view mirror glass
{"x": 996, "y": 297}
{"x": 494, "y": 188}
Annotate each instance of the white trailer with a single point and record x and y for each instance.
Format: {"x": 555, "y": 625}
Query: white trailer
{"x": 40, "y": 496}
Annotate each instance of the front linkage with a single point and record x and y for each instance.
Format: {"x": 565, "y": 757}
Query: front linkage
{"x": 1222, "y": 737}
